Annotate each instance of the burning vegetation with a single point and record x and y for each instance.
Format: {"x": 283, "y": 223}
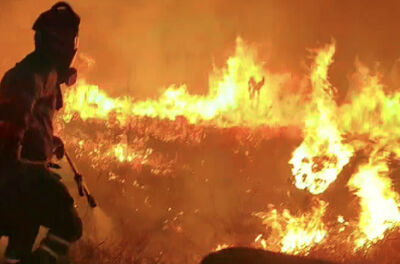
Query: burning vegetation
{"x": 264, "y": 159}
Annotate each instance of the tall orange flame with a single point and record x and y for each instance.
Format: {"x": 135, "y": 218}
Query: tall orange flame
{"x": 245, "y": 94}
{"x": 379, "y": 203}
{"x": 322, "y": 155}
{"x": 242, "y": 94}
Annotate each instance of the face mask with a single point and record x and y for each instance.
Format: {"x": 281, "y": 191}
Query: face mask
{"x": 71, "y": 77}
{"x": 60, "y": 51}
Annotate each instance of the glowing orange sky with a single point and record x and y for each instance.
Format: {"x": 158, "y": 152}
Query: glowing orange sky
{"x": 140, "y": 46}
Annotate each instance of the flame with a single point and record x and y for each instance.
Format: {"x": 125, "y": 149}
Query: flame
{"x": 379, "y": 203}
{"x": 294, "y": 234}
{"x": 90, "y": 102}
{"x": 371, "y": 111}
{"x": 245, "y": 94}
{"x": 220, "y": 247}
{"x": 322, "y": 155}
{"x": 123, "y": 153}
{"x": 370, "y": 119}
{"x": 241, "y": 94}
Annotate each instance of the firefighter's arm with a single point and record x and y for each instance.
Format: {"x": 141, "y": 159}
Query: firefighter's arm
{"x": 17, "y": 98}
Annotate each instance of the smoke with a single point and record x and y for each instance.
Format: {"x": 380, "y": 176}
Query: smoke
{"x": 142, "y": 46}
{"x": 102, "y": 227}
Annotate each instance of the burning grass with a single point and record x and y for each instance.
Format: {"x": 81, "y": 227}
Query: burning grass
{"x": 265, "y": 159}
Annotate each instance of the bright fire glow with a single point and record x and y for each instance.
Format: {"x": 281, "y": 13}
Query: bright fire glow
{"x": 294, "y": 234}
{"x": 379, "y": 203}
{"x": 246, "y": 95}
{"x": 322, "y": 155}
{"x": 241, "y": 94}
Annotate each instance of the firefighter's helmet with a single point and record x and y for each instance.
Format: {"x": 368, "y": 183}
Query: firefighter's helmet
{"x": 57, "y": 33}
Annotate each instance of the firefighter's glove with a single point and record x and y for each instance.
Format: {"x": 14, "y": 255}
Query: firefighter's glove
{"x": 58, "y": 147}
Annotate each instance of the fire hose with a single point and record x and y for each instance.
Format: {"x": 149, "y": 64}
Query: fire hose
{"x": 82, "y": 188}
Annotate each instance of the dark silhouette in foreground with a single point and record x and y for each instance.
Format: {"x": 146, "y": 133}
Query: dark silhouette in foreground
{"x": 255, "y": 256}
{"x": 30, "y": 194}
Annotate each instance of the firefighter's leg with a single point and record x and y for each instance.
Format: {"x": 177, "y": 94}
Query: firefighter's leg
{"x": 20, "y": 242}
{"x": 59, "y": 215}
{"x": 18, "y": 224}
{"x": 64, "y": 228}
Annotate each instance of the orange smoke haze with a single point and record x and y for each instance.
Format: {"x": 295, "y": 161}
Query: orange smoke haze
{"x": 205, "y": 159}
{"x": 140, "y": 46}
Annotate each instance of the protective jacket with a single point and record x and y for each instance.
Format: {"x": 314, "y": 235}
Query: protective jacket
{"x": 29, "y": 97}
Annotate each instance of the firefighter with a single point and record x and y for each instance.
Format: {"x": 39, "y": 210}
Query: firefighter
{"x": 30, "y": 194}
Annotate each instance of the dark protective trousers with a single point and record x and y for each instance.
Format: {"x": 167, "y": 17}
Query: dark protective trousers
{"x": 32, "y": 196}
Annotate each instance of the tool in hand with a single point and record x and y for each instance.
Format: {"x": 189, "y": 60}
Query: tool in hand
{"x": 82, "y": 188}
